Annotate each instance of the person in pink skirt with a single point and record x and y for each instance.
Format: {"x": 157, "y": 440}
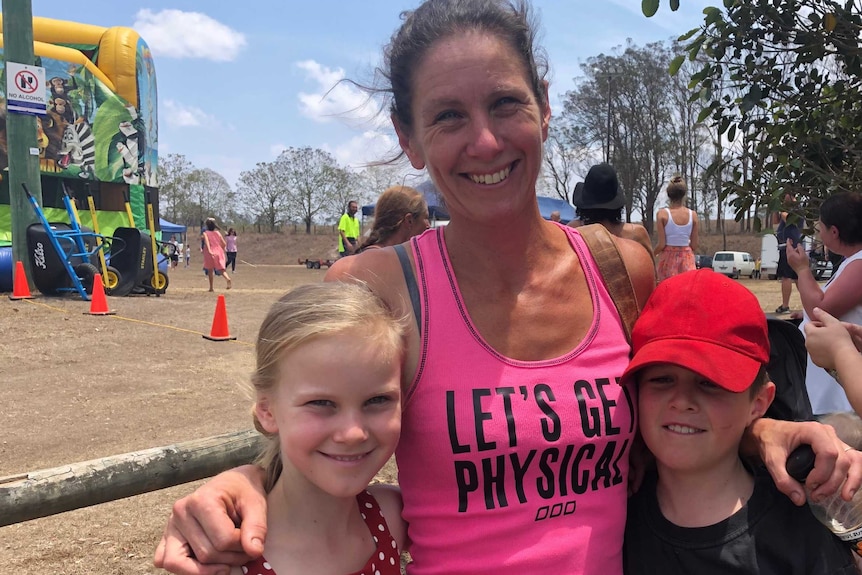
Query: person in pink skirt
{"x": 677, "y": 233}
{"x": 214, "y": 252}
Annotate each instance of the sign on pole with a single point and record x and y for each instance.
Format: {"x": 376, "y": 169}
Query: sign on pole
{"x": 25, "y": 89}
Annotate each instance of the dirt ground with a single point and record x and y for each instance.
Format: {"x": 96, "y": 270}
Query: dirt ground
{"x": 78, "y": 387}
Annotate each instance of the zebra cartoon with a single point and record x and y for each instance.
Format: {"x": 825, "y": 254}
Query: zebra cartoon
{"x": 78, "y": 149}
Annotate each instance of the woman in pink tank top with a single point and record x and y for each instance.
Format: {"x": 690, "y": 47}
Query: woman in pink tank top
{"x": 516, "y": 436}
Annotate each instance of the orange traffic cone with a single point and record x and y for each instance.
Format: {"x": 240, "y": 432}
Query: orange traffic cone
{"x": 20, "y": 287}
{"x": 98, "y": 301}
{"x": 219, "y": 330}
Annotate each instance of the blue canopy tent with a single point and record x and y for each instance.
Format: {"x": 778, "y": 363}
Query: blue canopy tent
{"x": 167, "y": 228}
{"x": 548, "y": 205}
{"x": 436, "y": 208}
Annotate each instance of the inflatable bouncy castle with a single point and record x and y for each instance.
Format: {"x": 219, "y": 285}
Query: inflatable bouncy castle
{"x": 100, "y": 134}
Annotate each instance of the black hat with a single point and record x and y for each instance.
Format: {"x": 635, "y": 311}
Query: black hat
{"x": 600, "y": 190}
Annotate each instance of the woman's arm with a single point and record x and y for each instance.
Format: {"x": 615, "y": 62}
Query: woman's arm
{"x": 843, "y": 293}
{"x": 221, "y": 523}
{"x": 661, "y": 221}
{"x": 693, "y": 239}
{"x": 773, "y": 440}
{"x": 831, "y": 345}
{"x": 391, "y": 504}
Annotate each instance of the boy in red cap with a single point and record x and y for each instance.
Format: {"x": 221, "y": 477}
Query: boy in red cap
{"x": 700, "y": 349}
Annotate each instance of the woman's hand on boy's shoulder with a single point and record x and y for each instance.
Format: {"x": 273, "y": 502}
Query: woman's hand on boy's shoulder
{"x": 836, "y": 466}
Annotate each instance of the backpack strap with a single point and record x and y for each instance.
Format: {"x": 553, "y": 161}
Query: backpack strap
{"x": 614, "y": 273}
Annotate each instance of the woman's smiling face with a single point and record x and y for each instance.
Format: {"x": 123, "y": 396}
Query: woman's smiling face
{"x": 477, "y": 126}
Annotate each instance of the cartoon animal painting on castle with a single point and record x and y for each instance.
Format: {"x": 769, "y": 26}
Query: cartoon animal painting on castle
{"x": 79, "y": 149}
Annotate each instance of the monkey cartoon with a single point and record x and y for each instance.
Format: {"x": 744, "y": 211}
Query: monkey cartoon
{"x": 60, "y": 87}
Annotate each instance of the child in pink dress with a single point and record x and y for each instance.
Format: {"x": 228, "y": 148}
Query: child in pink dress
{"x": 214, "y": 254}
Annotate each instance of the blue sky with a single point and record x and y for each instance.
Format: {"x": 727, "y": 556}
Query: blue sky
{"x": 240, "y": 81}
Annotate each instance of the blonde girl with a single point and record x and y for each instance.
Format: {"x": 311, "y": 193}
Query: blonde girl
{"x": 327, "y": 390}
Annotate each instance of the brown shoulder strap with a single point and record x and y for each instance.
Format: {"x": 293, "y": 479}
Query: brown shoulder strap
{"x": 614, "y": 273}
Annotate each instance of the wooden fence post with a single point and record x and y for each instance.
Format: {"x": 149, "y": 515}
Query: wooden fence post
{"x": 50, "y": 491}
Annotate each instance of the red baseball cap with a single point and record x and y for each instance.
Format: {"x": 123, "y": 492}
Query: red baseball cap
{"x": 705, "y": 322}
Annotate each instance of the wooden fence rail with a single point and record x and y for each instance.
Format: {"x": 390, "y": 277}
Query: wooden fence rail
{"x": 59, "y": 489}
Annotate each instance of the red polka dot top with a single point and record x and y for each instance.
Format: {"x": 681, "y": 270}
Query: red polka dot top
{"x": 384, "y": 561}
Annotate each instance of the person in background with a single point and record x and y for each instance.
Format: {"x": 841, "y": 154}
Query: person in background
{"x": 555, "y": 216}
{"x": 214, "y": 255}
{"x": 789, "y": 236}
{"x": 180, "y": 251}
{"x": 677, "y": 232}
{"x": 327, "y": 387}
{"x": 757, "y": 265}
{"x": 348, "y": 230}
{"x": 514, "y": 449}
{"x": 840, "y": 228}
{"x": 400, "y": 214}
{"x": 230, "y": 249}
{"x": 174, "y": 252}
{"x": 700, "y": 374}
{"x": 599, "y": 200}
{"x": 188, "y": 255}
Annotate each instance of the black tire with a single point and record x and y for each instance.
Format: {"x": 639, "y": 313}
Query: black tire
{"x": 317, "y": 265}
{"x": 309, "y": 264}
{"x": 112, "y": 280}
{"x": 86, "y": 273}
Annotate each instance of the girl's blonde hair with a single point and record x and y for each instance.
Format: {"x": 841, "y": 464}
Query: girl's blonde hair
{"x": 310, "y": 312}
{"x": 677, "y": 189}
{"x": 389, "y": 212}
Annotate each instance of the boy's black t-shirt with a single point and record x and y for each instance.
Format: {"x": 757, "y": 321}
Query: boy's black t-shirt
{"x": 768, "y": 536}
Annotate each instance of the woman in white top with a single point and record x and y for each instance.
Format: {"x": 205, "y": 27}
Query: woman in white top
{"x": 840, "y": 228}
{"x": 677, "y": 233}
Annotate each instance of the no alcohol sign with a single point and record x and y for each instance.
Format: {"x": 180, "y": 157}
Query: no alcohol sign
{"x": 25, "y": 89}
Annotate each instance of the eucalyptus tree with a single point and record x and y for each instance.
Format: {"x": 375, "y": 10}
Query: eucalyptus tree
{"x": 263, "y": 191}
{"x": 316, "y": 185}
{"x": 174, "y": 172}
{"x": 210, "y": 195}
{"x": 622, "y": 105}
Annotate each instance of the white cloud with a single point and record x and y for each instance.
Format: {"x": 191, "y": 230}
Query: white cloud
{"x": 178, "y": 34}
{"x": 181, "y": 116}
{"x": 334, "y": 99}
{"x": 367, "y": 147}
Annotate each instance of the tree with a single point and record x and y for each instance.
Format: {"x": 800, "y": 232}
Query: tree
{"x": 210, "y": 195}
{"x": 564, "y": 159}
{"x": 316, "y": 184}
{"x": 174, "y": 172}
{"x": 798, "y": 73}
{"x": 263, "y": 190}
{"x": 623, "y": 104}
{"x": 650, "y": 7}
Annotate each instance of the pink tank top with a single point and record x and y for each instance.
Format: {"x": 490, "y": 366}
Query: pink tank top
{"x": 513, "y": 467}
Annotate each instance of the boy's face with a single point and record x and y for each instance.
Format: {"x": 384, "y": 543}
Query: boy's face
{"x": 691, "y": 424}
